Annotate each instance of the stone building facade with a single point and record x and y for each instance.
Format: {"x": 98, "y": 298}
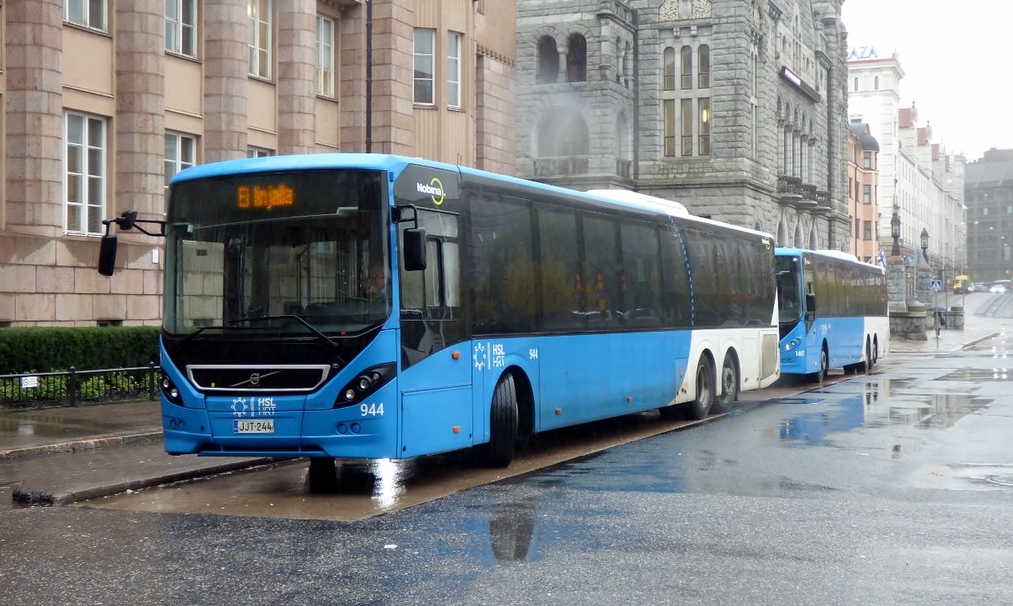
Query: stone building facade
{"x": 736, "y": 108}
{"x": 103, "y": 101}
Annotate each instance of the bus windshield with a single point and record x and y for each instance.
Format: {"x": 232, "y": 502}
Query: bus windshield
{"x": 789, "y": 291}
{"x": 287, "y": 253}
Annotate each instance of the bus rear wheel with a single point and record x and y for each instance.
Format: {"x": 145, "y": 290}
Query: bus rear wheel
{"x": 700, "y": 407}
{"x": 499, "y": 452}
{"x": 729, "y": 381}
{"x": 866, "y": 366}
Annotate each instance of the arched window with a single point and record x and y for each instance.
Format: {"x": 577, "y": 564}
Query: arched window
{"x": 548, "y": 60}
{"x": 669, "y": 83}
{"x": 875, "y": 83}
{"x": 576, "y": 58}
{"x": 687, "y": 68}
{"x": 704, "y": 67}
{"x": 856, "y": 85}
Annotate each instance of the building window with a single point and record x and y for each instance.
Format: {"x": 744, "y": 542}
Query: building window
{"x": 856, "y": 85}
{"x": 867, "y": 230}
{"x": 576, "y": 58}
{"x": 866, "y": 193}
{"x": 425, "y": 40}
{"x": 858, "y": 228}
{"x": 670, "y": 126}
{"x": 687, "y": 68}
{"x": 180, "y": 153}
{"x": 181, "y": 27}
{"x": 325, "y": 56}
{"x": 454, "y": 69}
{"x": 260, "y": 38}
{"x": 258, "y": 152}
{"x": 84, "y": 172}
{"x": 686, "y": 142}
{"x": 548, "y": 61}
{"x": 704, "y": 106}
{"x": 669, "y": 83}
{"x": 867, "y": 159}
{"x": 89, "y": 13}
{"x": 704, "y": 69}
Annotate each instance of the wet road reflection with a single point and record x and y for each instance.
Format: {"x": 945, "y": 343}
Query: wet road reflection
{"x": 368, "y": 488}
{"x": 781, "y": 441}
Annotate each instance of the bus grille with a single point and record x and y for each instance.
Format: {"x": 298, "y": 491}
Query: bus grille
{"x": 290, "y": 378}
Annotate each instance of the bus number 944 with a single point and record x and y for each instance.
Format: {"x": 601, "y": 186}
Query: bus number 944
{"x": 371, "y": 410}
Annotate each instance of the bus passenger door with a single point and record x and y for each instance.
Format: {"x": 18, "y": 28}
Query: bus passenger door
{"x": 435, "y": 360}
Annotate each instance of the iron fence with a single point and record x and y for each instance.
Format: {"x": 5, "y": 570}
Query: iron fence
{"x": 73, "y": 387}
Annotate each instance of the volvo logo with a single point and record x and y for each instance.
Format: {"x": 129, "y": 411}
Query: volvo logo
{"x": 254, "y": 379}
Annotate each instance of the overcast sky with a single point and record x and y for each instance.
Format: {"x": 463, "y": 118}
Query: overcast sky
{"x": 958, "y": 63}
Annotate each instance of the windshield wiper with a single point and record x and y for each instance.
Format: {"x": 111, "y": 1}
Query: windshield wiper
{"x": 320, "y": 335}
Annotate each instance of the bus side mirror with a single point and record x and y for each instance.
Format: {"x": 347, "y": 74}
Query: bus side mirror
{"x": 413, "y": 248}
{"x": 107, "y": 255}
{"x": 810, "y": 302}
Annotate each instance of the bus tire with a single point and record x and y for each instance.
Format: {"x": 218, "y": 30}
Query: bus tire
{"x": 700, "y": 407}
{"x": 729, "y": 382}
{"x": 499, "y": 452}
{"x": 866, "y": 365}
{"x": 820, "y": 375}
{"x": 323, "y": 475}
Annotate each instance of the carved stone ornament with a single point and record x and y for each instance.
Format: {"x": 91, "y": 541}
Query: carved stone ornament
{"x": 701, "y": 9}
{"x": 669, "y": 11}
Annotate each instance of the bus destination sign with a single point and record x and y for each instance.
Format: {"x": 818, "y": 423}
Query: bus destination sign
{"x": 264, "y": 197}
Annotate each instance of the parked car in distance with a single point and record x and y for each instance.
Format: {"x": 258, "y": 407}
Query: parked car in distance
{"x": 1000, "y": 287}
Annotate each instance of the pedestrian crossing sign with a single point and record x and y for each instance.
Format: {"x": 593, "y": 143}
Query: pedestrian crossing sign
{"x": 937, "y": 285}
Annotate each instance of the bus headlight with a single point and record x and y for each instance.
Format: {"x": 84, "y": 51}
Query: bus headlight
{"x": 364, "y": 385}
{"x": 790, "y": 345}
{"x": 169, "y": 389}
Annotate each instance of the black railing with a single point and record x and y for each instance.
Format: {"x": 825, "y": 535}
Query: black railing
{"x": 789, "y": 185}
{"x": 73, "y": 387}
{"x": 561, "y": 166}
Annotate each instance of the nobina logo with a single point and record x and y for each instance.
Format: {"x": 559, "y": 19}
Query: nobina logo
{"x": 434, "y": 189}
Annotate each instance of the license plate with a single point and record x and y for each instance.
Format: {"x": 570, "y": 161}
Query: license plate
{"x": 253, "y": 426}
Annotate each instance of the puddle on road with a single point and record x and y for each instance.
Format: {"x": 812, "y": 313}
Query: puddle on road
{"x": 868, "y": 410}
{"x": 979, "y": 374}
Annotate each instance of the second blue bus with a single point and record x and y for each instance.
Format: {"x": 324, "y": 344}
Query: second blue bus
{"x": 833, "y": 312}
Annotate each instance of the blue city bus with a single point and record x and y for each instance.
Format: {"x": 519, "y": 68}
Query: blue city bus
{"x": 506, "y": 308}
{"x": 833, "y": 312}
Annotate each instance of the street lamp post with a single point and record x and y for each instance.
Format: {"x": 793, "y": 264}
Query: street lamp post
{"x": 895, "y": 233}
{"x": 925, "y": 245}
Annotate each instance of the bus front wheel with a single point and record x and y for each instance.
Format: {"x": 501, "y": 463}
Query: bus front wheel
{"x": 502, "y": 425}
{"x": 700, "y": 407}
{"x": 820, "y": 375}
{"x": 729, "y": 381}
{"x": 323, "y": 475}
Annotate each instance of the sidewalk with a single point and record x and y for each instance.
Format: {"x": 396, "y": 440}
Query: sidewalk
{"x": 56, "y": 456}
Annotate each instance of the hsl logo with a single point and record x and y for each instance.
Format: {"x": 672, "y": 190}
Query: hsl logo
{"x": 434, "y": 190}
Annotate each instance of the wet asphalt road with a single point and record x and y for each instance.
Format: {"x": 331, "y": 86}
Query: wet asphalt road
{"x": 890, "y": 488}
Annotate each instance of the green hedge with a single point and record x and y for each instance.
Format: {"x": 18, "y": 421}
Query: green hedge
{"x": 45, "y": 349}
